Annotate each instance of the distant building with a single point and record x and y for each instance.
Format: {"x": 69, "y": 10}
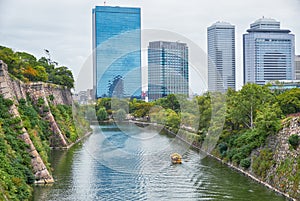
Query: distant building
{"x": 117, "y": 51}
{"x": 168, "y": 69}
{"x": 284, "y": 84}
{"x": 297, "y": 67}
{"x": 221, "y": 56}
{"x": 82, "y": 97}
{"x": 268, "y": 52}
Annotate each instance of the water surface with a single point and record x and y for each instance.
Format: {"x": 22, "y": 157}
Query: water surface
{"x": 133, "y": 164}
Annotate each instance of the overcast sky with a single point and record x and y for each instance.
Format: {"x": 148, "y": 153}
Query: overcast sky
{"x": 64, "y": 27}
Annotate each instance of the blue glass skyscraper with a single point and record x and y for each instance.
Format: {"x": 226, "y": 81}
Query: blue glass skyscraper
{"x": 117, "y": 51}
{"x": 268, "y": 52}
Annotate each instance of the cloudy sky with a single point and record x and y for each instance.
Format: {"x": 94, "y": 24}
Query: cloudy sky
{"x": 64, "y": 26}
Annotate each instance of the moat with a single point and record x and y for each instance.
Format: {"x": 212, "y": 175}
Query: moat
{"x": 125, "y": 162}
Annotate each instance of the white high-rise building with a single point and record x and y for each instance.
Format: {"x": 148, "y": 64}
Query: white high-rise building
{"x": 221, "y": 56}
{"x": 268, "y": 52}
{"x": 297, "y": 67}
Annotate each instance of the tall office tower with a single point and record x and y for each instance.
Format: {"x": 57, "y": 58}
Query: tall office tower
{"x": 297, "y": 67}
{"x": 221, "y": 56}
{"x": 268, "y": 52}
{"x": 117, "y": 51}
{"x": 168, "y": 69}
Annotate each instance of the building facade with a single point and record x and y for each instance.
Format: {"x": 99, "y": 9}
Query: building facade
{"x": 117, "y": 51}
{"x": 168, "y": 69}
{"x": 297, "y": 67}
{"x": 268, "y": 52}
{"x": 221, "y": 56}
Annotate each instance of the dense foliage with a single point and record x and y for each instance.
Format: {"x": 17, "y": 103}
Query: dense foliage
{"x": 15, "y": 169}
{"x": 16, "y": 176}
{"x": 244, "y": 118}
{"x": 26, "y": 67}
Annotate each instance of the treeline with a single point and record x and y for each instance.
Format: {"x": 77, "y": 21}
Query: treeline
{"x": 244, "y": 119}
{"x": 26, "y": 67}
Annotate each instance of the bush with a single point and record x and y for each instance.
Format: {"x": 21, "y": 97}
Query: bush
{"x": 51, "y": 97}
{"x": 245, "y": 163}
{"x": 222, "y": 148}
{"x": 294, "y": 140}
{"x": 262, "y": 163}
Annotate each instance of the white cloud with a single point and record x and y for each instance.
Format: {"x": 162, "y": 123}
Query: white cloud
{"x": 64, "y": 27}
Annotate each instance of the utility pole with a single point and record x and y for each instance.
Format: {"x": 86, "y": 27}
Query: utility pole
{"x": 49, "y": 58}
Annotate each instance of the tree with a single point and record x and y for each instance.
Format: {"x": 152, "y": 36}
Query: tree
{"x": 41, "y": 73}
{"x": 43, "y": 61}
{"x": 140, "y": 108}
{"x": 26, "y": 57}
{"x": 205, "y": 109}
{"x": 169, "y": 102}
{"x": 25, "y": 67}
{"x": 268, "y": 119}
{"x": 29, "y": 73}
{"x": 290, "y": 101}
{"x": 104, "y": 102}
{"x": 172, "y": 119}
{"x": 63, "y": 76}
{"x": 247, "y": 102}
{"x": 102, "y": 114}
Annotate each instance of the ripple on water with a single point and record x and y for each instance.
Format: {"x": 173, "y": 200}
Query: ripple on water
{"x": 132, "y": 164}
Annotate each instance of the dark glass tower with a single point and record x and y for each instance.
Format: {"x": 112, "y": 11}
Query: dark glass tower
{"x": 168, "y": 69}
{"x": 117, "y": 51}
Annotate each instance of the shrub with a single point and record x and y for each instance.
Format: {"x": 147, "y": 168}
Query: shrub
{"x": 262, "y": 163}
{"x": 294, "y": 140}
{"x": 51, "y": 97}
{"x": 222, "y": 148}
{"x": 245, "y": 163}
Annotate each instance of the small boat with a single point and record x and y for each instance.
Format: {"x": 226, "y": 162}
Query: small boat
{"x": 176, "y": 158}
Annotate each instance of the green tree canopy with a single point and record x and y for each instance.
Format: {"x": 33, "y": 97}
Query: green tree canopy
{"x": 102, "y": 114}
{"x": 27, "y": 68}
{"x": 289, "y": 101}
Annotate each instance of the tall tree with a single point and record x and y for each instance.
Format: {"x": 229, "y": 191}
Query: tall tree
{"x": 247, "y": 102}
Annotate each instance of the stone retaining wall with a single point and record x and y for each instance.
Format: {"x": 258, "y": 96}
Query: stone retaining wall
{"x": 40, "y": 171}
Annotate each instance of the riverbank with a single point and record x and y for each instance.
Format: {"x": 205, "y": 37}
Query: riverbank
{"x": 237, "y": 169}
{"x": 74, "y": 143}
{"x": 252, "y": 177}
{"x": 197, "y": 147}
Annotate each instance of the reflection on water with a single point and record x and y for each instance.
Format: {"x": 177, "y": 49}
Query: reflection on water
{"x": 128, "y": 163}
